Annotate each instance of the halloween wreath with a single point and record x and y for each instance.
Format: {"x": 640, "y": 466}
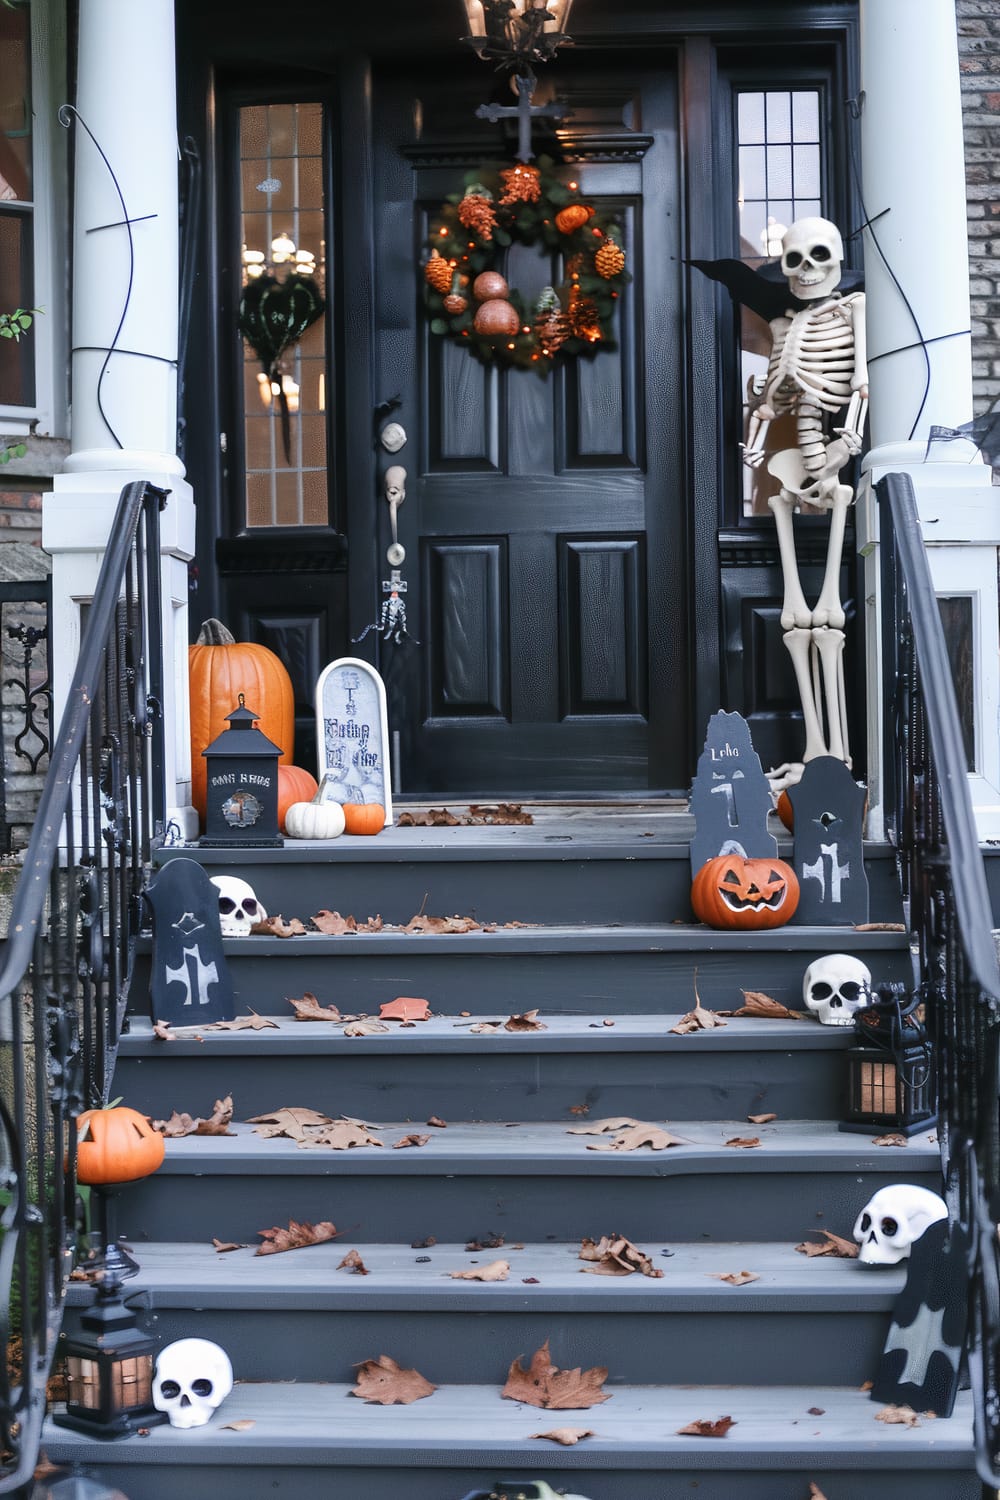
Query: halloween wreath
{"x": 467, "y": 295}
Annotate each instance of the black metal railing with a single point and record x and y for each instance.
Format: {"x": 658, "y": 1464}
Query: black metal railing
{"x": 67, "y": 959}
{"x": 25, "y": 610}
{"x": 947, "y": 909}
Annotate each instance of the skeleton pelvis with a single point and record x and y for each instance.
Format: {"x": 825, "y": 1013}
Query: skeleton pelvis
{"x": 815, "y": 489}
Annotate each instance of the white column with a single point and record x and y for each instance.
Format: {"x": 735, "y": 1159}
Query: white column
{"x": 125, "y": 302}
{"x": 916, "y": 253}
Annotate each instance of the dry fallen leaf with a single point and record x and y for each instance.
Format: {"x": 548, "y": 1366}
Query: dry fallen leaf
{"x": 241, "y": 1424}
{"x": 291, "y": 1120}
{"x": 816, "y": 1411}
{"x": 295, "y": 1237}
{"x": 760, "y": 1119}
{"x": 815, "y": 1493}
{"x": 542, "y": 1384}
{"x": 310, "y": 1009}
{"x": 438, "y": 1123}
{"x": 405, "y": 1008}
{"x": 630, "y": 1139}
{"x": 482, "y": 1028}
{"x": 352, "y": 1262}
{"x": 698, "y": 1019}
{"x": 904, "y": 1416}
{"x": 420, "y": 923}
{"x": 366, "y": 1026}
{"x": 334, "y": 925}
{"x": 252, "y": 1022}
{"x": 567, "y": 1436}
{"x": 762, "y": 1006}
{"x": 734, "y": 1278}
{"x": 218, "y": 1122}
{"x": 431, "y": 817}
{"x": 340, "y": 1135}
{"x": 581, "y": 1110}
{"x": 894, "y": 1139}
{"x": 382, "y": 1382}
{"x": 223, "y": 1245}
{"x": 278, "y": 927}
{"x": 715, "y": 1429}
{"x": 488, "y": 1242}
{"x": 162, "y": 1031}
{"x": 879, "y": 927}
{"x": 614, "y": 1255}
{"x": 744, "y": 1142}
{"x": 835, "y": 1245}
{"x": 410, "y": 1140}
{"x": 497, "y": 1270}
{"x": 527, "y": 1022}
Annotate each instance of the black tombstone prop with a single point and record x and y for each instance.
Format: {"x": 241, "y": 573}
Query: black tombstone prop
{"x": 241, "y": 809}
{"x": 923, "y": 1353}
{"x": 828, "y": 807}
{"x": 190, "y": 983}
{"x": 730, "y": 796}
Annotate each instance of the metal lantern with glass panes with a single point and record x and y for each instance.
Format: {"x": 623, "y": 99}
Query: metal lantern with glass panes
{"x": 516, "y": 33}
{"x": 109, "y": 1369}
{"x": 890, "y": 1072}
{"x": 242, "y": 800}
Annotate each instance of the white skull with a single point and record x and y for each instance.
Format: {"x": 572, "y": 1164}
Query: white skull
{"x": 239, "y": 907}
{"x": 834, "y": 988}
{"x": 896, "y": 1216}
{"x": 812, "y": 255}
{"x": 193, "y": 1377}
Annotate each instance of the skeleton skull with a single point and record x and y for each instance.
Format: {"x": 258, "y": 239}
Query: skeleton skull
{"x": 812, "y": 254}
{"x": 239, "y": 907}
{"x": 193, "y": 1377}
{"x": 834, "y": 988}
{"x": 896, "y": 1216}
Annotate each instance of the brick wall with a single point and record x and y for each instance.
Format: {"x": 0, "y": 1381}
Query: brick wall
{"x": 979, "y": 61}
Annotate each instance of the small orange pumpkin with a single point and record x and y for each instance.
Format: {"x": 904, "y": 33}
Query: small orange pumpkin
{"x": 294, "y": 785}
{"x": 784, "y": 811}
{"x": 733, "y": 892}
{"x": 116, "y": 1145}
{"x": 496, "y": 319}
{"x": 364, "y": 817}
{"x": 573, "y": 216}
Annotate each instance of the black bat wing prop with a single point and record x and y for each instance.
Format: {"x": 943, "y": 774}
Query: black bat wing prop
{"x": 764, "y": 290}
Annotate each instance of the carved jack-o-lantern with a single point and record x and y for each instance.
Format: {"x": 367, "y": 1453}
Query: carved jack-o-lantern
{"x": 730, "y": 891}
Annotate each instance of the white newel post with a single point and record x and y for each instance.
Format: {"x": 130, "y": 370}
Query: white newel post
{"x": 913, "y": 172}
{"x": 124, "y": 413}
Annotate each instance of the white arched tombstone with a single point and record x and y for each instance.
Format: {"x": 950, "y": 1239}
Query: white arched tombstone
{"x": 352, "y": 734}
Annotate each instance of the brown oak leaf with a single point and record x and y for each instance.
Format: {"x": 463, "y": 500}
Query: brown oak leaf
{"x": 734, "y": 1278}
{"x": 352, "y": 1262}
{"x": 527, "y": 1022}
{"x": 614, "y": 1255}
{"x": 218, "y": 1122}
{"x": 382, "y": 1382}
{"x": 334, "y": 925}
{"x": 744, "y": 1142}
{"x": 483, "y": 1028}
{"x": 278, "y": 927}
{"x": 507, "y": 813}
{"x": 698, "y": 1019}
{"x": 410, "y": 1140}
{"x": 904, "y": 1416}
{"x": 339, "y": 1135}
{"x": 291, "y": 1120}
{"x": 497, "y": 1270}
{"x": 756, "y": 1003}
{"x": 543, "y": 1384}
{"x": 834, "y": 1244}
{"x": 405, "y": 1008}
{"x": 895, "y": 1139}
{"x": 420, "y": 923}
{"x": 761, "y": 1119}
{"x": 308, "y": 1008}
{"x": 296, "y": 1237}
{"x": 252, "y": 1022}
{"x": 603, "y": 1127}
{"x": 365, "y": 1026}
{"x": 431, "y": 817}
{"x": 437, "y": 1122}
{"x": 634, "y": 1136}
{"x": 715, "y": 1429}
{"x": 567, "y": 1436}
{"x": 221, "y": 1246}
{"x": 488, "y": 1242}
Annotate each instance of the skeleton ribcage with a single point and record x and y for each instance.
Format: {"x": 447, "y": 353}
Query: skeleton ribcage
{"x": 812, "y": 360}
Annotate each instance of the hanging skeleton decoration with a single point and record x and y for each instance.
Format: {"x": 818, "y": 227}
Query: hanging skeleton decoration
{"x": 817, "y": 373}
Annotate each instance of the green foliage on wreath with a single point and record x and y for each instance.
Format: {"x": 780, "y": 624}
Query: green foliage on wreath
{"x": 469, "y": 251}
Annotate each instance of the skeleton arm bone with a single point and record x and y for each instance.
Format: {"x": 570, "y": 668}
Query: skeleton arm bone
{"x": 859, "y": 381}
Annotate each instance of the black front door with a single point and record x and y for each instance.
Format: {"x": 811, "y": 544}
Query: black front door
{"x": 544, "y": 523}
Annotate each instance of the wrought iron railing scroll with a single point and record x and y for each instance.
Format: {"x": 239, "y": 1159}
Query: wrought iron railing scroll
{"x": 67, "y": 960}
{"x": 947, "y": 908}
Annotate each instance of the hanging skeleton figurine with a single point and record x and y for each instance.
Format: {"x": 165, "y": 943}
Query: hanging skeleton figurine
{"x": 391, "y": 624}
{"x": 817, "y": 373}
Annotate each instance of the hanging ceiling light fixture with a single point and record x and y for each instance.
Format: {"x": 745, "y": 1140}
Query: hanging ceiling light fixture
{"x": 516, "y": 33}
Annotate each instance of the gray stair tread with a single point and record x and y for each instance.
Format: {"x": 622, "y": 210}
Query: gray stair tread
{"x": 188, "y": 1275}
{"x": 309, "y": 1423}
{"x": 562, "y": 1033}
{"x": 532, "y": 1148}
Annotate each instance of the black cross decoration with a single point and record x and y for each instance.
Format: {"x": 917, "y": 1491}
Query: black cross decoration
{"x": 524, "y": 112}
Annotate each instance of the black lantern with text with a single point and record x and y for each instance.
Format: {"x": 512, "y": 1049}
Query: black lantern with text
{"x": 890, "y": 1070}
{"x": 241, "y": 809}
{"x": 109, "y": 1369}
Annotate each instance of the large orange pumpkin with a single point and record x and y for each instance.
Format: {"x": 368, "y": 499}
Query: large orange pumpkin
{"x": 294, "y": 785}
{"x": 732, "y": 892}
{"x": 364, "y": 817}
{"x": 116, "y": 1145}
{"x": 219, "y": 669}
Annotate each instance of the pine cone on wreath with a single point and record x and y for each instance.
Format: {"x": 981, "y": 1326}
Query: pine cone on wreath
{"x": 476, "y": 212}
{"x": 584, "y": 318}
{"x": 521, "y": 184}
{"x": 438, "y": 273}
{"x": 609, "y": 260}
{"x": 551, "y": 329}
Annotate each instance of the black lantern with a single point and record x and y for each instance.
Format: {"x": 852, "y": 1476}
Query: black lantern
{"x": 890, "y": 1072}
{"x": 109, "y": 1369}
{"x": 242, "y": 800}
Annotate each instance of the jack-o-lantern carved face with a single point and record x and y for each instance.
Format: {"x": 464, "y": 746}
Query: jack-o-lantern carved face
{"x": 730, "y": 891}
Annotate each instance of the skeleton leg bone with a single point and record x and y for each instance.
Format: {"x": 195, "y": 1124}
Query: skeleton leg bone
{"x": 829, "y": 609}
{"x": 798, "y": 644}
{"x": 795, "y": 612}
{"x": 829, "y": 649}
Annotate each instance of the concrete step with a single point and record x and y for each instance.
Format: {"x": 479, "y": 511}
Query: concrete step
{"x": 297, "y": 1316}
{"x": 526, "y": 1181}
{"x": 310, "y": 1441}
{"x": 794, "y": 1069}
{"x": 602, "y": 971}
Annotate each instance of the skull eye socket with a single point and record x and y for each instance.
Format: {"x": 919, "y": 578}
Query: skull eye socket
{"x": 793, "y": 260}
{"x": 821, "y": 991}
{"x": 820, "y": 253}
{"x": 170, "y": 1389}
{"x": 866, "y": 1223}
{"x": 249, "y": 906}
{"x": 851, "y": 990}
{"x": 201, "y": 1387}
{"x": 889, "y": 1227}
{"x": 226, "y": 905}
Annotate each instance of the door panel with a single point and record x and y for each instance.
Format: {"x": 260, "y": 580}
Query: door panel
{"x": 544, "y": 521}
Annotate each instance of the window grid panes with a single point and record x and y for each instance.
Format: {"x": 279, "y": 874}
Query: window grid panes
{"x": 282, "y": 224}
{"x": 17, "y": 371}
{"x": 779, "y": 151}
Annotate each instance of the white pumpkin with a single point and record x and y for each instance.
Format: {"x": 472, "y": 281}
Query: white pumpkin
{"x": 314, "y": 820}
